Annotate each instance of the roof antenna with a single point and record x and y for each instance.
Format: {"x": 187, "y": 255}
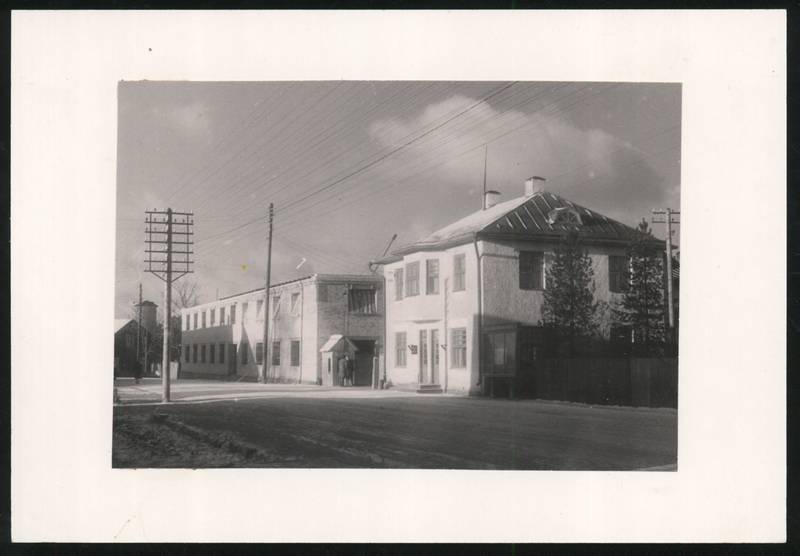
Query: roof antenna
{"x": 371, "y": 264}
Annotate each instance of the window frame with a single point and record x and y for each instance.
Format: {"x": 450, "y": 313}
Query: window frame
{"x": 456, "y": 349}
{"x": 459, "y": 272}
{"x": 275, "y": 354}
{"x": 294, "y": 303}
{"x": 400, "y": 355}
{"x": 399, "y": 285}
{"x": 431, "y": 278}
{"x": 371, "y": 307}
{"x": 618, "y": 278}
{"x": 532, "y": 278}
{"x": 412, "y": 291}
{"x": 244, "y": 348}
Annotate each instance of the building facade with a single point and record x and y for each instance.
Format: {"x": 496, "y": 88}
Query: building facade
{"x": 464, "y": 305}
{"x": 223, "y": 339}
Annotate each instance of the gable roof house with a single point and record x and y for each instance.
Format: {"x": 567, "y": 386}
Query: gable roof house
{"x": 464, "y": 304}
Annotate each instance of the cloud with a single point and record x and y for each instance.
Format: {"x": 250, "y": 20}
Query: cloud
{"x": 589, "y": 166}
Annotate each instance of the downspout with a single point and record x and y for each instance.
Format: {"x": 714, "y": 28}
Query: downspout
{"x": 382, "y": 379}
{"x": 302, "y": 339}
{"x": 446, "y": 360}
{"x": 480, "y": 308}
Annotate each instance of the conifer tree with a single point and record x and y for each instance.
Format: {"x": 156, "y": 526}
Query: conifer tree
{"x": 642, "y": 307}
{"x": 569, "y": 305}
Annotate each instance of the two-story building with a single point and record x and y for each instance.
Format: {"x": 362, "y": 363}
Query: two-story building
{"x": 464, "y": 304}
{"x": 313, "y": 322}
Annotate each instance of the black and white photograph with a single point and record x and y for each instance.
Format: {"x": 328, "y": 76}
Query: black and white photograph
{"x": 502, "y": 276}
{"x": 440, "y": 275}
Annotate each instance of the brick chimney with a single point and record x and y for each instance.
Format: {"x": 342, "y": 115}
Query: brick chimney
{"x": 534, "y": 184}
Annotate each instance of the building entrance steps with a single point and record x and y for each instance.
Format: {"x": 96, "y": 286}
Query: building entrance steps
{"x": 429, "y": 389}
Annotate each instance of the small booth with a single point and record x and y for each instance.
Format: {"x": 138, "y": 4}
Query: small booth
{"x": 332, "y": 351}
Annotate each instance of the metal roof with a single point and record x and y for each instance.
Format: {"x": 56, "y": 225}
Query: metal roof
{"x": 524, "y": 218}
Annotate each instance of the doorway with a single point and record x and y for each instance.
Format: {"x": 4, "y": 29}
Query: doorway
{"x": 362, "y": 375}
{"x": 434, "y": 356}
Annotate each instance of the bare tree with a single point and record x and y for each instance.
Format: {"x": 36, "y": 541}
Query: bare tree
{"x": 186, "y": 293}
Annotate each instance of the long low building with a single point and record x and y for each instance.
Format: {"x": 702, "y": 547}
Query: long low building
{"x": 314, "y": 321}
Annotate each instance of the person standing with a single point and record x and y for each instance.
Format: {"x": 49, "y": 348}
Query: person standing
{"x": 342, "y": 370}
{"x": 350, "y": 371}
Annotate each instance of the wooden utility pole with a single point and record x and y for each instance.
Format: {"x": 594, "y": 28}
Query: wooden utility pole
{"x": 485, "y": 160}
{"x": 168, "y": 268}
{"x": 139, "y": 330}
{"x": 265, "y": 349}
{"x": 668, "y": 213}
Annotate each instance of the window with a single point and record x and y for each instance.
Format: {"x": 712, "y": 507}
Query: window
{"x": 295, "y": 353}
{"x": 322, "y": 292}
{"x": 412, "y": 279}
{"x": 432, "y": 276}
{"x": 213, "y": 317}
{"x": 259, "y": 353}
{"x": 295, "y": 303}
{"x": 617, "y": 273}
{"x": 398, "y": 284}
{"x": 186, "y": 354}
{"x": 244, "y": 347}
{"x": 244, "y": 312}
{"x": 499, "y": 350}
{"x": 204, "y": 319}
{"x": 187, "y": 323}
{"x": 195, "y": 321}
{"x": 222, "y": 315}
{"x": 233, "y": 314}
{"x": 276, "y": 353}
{"x": 458, "y": 347}
{"x": 362, "y": 301}
{"x": 459, "y": 273}
{"x": 531, "y": 267}
{"x": 400, "y": 349}
{"x": 259, "y": 308}
{"x": 212, "y": 353}
{"x": 194, "y": 353}
{"x": 276, "y": 305}
{"x": 203, "y": 353}
{"x": 222, "y": 353}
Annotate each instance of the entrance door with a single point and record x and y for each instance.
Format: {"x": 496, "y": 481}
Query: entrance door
{"x": 363, "y": 362}
{"x": 424, "y": 376}
{"x": 434, "y": 356}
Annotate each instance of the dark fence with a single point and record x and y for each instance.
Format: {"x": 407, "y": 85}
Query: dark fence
{"x": 651, "y": 382}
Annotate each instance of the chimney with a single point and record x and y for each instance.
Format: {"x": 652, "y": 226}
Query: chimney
{"x": 490, "y": 199}
{"x": 534, "y": 184}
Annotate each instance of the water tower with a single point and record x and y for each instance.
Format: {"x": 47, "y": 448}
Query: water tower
{"x": 148, "y": 312}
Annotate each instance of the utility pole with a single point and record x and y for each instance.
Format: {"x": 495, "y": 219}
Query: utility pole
{"x": 667, "y": 215}
{"x": 139, "y": 330}
{"x": 485, "y": 160}
{"x": 168, "y": 263}
{"x": 265, "y": 350}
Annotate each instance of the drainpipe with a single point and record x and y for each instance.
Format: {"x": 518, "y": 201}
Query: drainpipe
{"x": 480, "y": 307}
{"x": 302, "y": 340}
{"x": 446, "y": 364}
{"x": 382, "y": 380}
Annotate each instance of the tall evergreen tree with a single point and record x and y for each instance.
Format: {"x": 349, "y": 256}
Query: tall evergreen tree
{"x": 569, "y": 304}
{"x": 642, "y": 307}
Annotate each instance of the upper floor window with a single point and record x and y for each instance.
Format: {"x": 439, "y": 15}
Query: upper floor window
{"x": 295, "y": 303}
{"x": 531, "y": 270}
{"x": 362, "y": 301}
{"x": 432, "y": 276}
{"x": 244, "y": 312}
{"x": 187, "y": 323}
{"x": 259, "y": 307}
{"x": 222, "y": 315}
{"x": 276, "y": 305}
{"x": 412, "y": 279}
{"x": 204, "y": 319}
{"x": 459, "y": 272}
{"x": 213, "y": 317}
{"x": 617, "y": 273}
{"x": 398, "y": 284}
{"x": 195, "y": 321}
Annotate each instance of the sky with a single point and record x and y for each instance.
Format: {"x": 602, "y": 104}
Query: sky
{"x": 348, "y": 164}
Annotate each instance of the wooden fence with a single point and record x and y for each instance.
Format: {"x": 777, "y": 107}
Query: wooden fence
{"x": 651, "y": 382}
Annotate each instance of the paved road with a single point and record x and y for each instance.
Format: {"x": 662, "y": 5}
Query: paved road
{"x": 291, "y": 426}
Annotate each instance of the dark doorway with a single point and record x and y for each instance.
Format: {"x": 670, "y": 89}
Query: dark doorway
{"x": 363, "y": 362}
